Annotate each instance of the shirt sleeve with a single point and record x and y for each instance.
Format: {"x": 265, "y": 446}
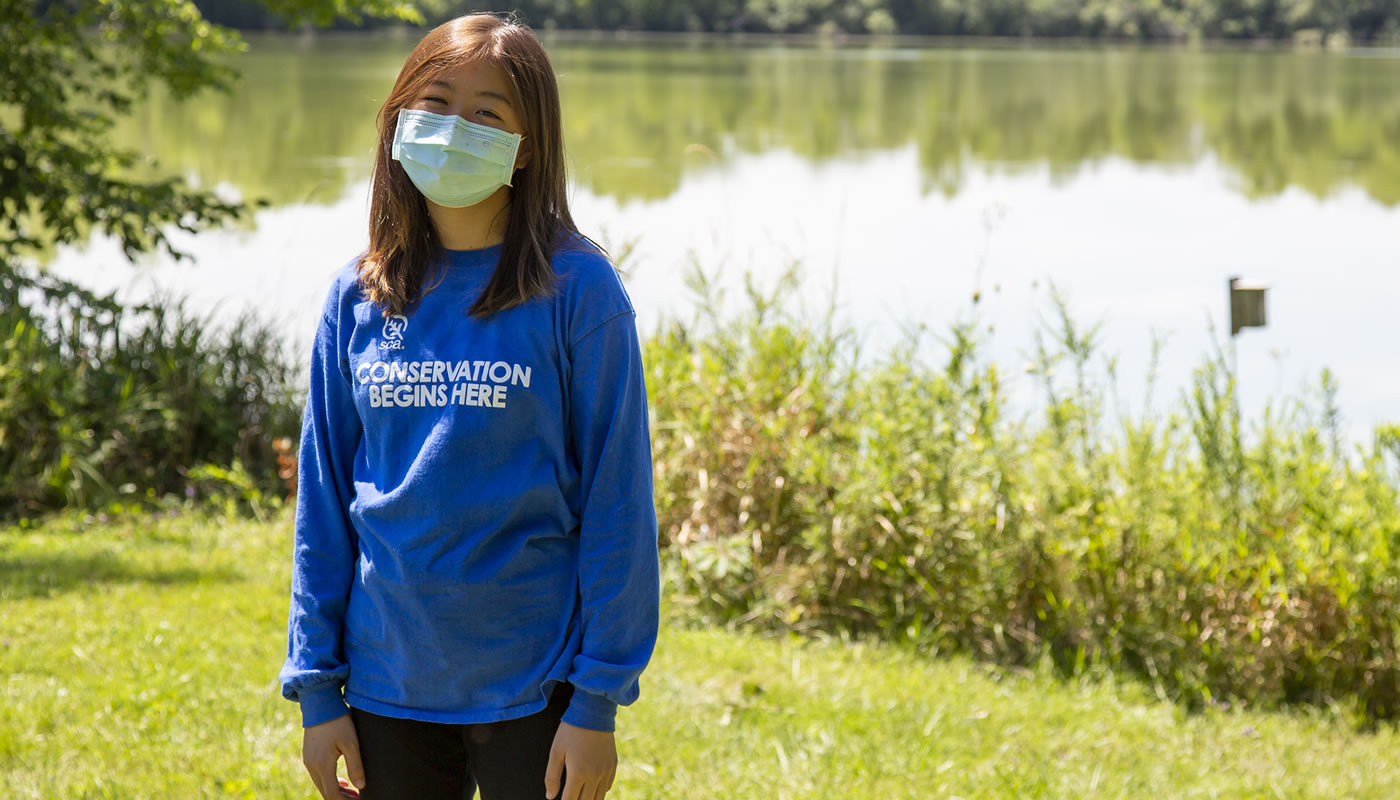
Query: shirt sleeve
{"x": 619, "y": 576}
{"x": 326, "y": 547}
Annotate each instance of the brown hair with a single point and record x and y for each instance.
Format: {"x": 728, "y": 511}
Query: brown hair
{"x": 402, "y": 240}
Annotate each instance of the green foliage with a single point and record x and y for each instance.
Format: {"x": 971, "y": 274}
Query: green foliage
{"x": 898, "y": 499}
{"x": 1120, "y": 19}
{"x": 62, "y": 83}
{"x": 102, "y": 404}
{"x": 234, "y": 490}
{"x": 70, "y": 69}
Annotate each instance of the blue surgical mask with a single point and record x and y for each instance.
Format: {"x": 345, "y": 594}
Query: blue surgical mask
{"x": 454, "y": 163}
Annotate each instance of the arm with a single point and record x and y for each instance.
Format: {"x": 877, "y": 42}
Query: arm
{"x": 325, "y": 547}
{"x": 619, "y": 577}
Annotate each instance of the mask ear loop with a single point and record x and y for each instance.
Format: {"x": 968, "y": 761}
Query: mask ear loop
{"x": 514, "y": 153}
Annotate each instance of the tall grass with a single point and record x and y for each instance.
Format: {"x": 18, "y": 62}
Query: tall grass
{"x": 803, "y": 487}
{"x": 102, "y": 404}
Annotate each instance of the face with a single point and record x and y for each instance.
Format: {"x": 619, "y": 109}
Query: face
{"x": 477, "y": 92}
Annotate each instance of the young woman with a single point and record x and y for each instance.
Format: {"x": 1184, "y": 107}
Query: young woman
{"x": 475, "y": 586}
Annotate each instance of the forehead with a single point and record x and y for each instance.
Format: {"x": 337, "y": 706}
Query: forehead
{"x": 475, "y": 76}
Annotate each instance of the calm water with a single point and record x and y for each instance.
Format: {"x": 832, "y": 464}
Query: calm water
{"x": 900, "y": 181}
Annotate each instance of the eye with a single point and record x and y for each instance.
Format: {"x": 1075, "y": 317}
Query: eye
{"x": 489, "y": 113}
{"x": 434, "y": 99}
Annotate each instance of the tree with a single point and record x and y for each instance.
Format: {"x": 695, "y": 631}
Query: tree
{"x": 68, "y": 68}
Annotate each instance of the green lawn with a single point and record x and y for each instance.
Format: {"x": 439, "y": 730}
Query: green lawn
{"x": 139, "y": 659}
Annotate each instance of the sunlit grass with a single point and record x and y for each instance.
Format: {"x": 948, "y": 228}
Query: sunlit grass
{"x": 139, "y": 659}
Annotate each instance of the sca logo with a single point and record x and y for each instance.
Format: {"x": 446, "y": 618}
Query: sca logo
{"x": 394, "y": 326}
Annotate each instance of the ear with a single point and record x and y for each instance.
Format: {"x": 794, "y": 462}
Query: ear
{"x": 522, "y": 154}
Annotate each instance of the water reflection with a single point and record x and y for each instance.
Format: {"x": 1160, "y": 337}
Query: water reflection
{"x": 1147, "y": 250}
{"x": 639, "y": 118}
{"x": 904, "y": 180}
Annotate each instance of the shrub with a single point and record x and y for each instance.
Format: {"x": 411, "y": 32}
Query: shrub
{"x": 101, "y": 403}
{"x": 801, "y": 487}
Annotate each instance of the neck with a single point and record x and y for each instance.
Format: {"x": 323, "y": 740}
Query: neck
{"x": 473, "y": 227}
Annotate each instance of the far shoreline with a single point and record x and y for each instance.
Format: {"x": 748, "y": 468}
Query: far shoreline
{"x": 1343, "y": 46}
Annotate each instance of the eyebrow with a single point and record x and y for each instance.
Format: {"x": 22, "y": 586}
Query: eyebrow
{"x": 482, "y": 93}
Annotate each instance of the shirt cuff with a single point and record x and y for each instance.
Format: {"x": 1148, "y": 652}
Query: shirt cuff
{"x": 591, "y": 711}
{"x": 322, "y": 705}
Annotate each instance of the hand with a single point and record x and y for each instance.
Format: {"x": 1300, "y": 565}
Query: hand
{"x": 588, "y": 759}
{"x": 322, "y": 745}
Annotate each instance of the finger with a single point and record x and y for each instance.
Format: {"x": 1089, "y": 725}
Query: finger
{"x": 573, "y": 787}
{"x": 346, "y": 790}
{"x": 552, "y": 772}
{"x": 354, "y": 767}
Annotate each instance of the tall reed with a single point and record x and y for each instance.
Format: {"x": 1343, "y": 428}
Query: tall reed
{"x": 898, "y": 497}
{"x": 101, "y": 403}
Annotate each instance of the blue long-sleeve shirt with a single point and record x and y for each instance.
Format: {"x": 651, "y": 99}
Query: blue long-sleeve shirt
{"x": 474, "y": 519}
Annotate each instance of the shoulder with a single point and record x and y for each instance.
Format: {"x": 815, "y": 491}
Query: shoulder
{"x": 590, "y": 291}
{"x": 581, "y": 264}
{"x": 344, "y": 291}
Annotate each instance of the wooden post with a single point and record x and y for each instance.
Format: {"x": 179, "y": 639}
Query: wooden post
{"x": 1247, "y": 310}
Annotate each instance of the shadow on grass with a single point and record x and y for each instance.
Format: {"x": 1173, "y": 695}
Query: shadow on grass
{"x": 43, "y": 575}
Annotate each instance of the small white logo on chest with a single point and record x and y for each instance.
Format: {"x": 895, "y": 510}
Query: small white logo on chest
{"x": 394, "y": 327}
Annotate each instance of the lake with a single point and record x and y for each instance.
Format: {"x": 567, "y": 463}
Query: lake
{"x": 901, "y": 182}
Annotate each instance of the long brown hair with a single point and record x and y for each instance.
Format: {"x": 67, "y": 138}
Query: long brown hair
{"x": 402, "y": 240}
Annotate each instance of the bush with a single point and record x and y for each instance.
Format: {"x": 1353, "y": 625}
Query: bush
{"x": 102, "y": 404}
{"x": 799, "y": 489}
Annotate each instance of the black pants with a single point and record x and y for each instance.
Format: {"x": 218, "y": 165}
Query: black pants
{"x": 406, "y": 759}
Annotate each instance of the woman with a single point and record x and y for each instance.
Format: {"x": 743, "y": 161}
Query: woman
{"x": 475, "y": 582}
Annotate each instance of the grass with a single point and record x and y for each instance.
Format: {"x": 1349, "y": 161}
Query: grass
{"x": 139, "y": 659}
